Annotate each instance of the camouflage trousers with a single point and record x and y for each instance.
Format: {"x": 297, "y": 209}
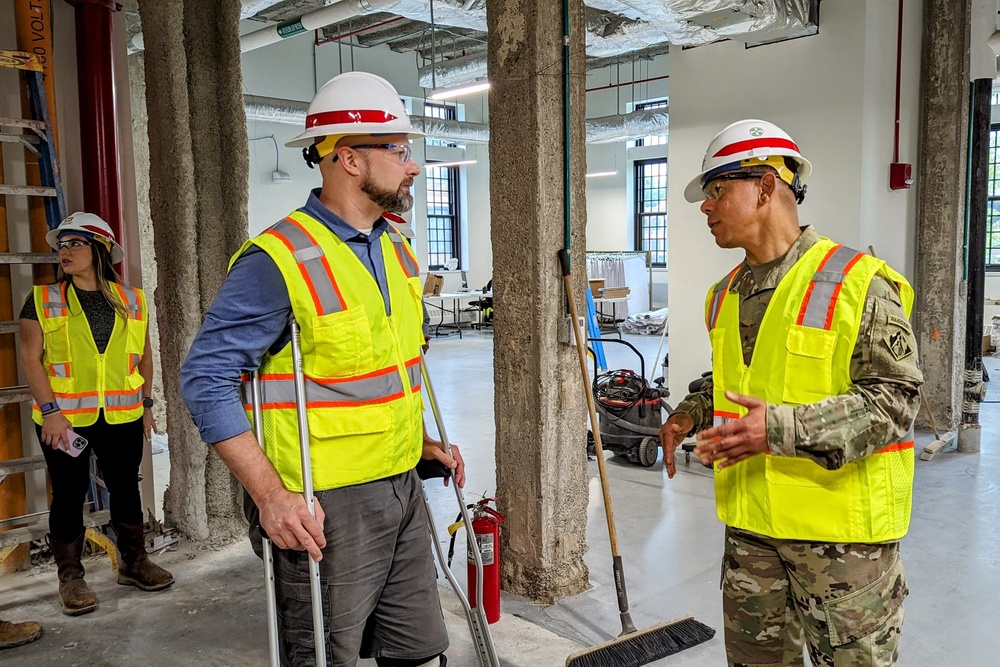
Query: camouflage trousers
{"x": 843, "y": 601}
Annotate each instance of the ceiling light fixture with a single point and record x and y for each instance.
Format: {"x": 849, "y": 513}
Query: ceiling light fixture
{"x": 456, "y": 91}
{"x": 453, "y": 163}
{"x": 598, "y": 174}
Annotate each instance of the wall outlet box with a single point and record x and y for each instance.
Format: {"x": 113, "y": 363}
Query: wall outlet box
{"x": 900, "y": 176}
{"x": 566, "y": 335}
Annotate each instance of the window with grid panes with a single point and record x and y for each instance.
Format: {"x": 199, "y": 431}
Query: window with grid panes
{"x": 443, "y": 228}
{"x": 651, "y": 209}
{"x": 442, "y": 111}
{"x": 653, "y": 140}
{"x": 993, "y": 202}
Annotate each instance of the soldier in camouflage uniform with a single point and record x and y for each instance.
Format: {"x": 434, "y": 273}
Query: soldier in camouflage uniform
{"x": 843, "y": 600}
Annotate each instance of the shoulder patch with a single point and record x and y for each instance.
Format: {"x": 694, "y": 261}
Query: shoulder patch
{"x": 898, "y": 344}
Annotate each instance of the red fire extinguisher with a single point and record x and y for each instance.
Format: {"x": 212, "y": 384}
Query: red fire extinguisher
{"x": 486, "y": 526}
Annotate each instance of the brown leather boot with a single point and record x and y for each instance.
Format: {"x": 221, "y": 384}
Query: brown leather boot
{"x": 134, "y": 567}
{"x": 77, "y": 598}
{"x": 15, "y": 634}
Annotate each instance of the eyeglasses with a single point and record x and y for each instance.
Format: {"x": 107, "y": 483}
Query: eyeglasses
{"x": 713, "y": 190}
{"x": 72, "y": 244}
{"x": 398, "y": 152}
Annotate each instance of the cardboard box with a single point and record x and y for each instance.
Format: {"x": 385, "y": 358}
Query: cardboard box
{"x": 596, "y": 285}
{"x": 433, "y": 284}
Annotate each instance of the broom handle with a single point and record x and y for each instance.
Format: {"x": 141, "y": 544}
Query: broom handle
{"x": 920, "y": 389}
{"x": 627, "y": 625}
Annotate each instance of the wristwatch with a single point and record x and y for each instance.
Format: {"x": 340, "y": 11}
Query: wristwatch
{"x": 49, "y": 407}
{"x": 147, "y": 402}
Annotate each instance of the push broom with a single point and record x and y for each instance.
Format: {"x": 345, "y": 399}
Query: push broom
{"x": 632, "y": 648}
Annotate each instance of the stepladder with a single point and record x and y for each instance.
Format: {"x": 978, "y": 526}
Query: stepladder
{"x": 35, "y": 135}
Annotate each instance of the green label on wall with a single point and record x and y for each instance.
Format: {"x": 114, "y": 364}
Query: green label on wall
{"x": 290, "y": 28}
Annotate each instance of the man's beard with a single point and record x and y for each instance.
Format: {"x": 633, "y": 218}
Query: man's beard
{"x": 393, "y": 201}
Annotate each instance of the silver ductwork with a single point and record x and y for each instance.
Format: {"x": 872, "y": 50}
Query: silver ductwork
{"x": 625, "y": 127}
{"x": 290, "y": 112}
{"x": 677, "y": 22}
{"x": 602, "y": 130}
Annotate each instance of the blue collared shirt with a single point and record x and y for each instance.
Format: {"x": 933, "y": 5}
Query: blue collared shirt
{"x": 248, "y": 318}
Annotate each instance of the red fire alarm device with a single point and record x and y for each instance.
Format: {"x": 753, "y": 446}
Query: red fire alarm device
{"x": 900, "y": 177}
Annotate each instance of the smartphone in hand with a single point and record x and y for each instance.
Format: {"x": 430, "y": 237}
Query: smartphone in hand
{"x": 77, "y": 443}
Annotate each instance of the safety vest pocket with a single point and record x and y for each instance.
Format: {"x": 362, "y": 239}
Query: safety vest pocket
{"x": 135, "y": 342}
{"x": 802, "y": 495}
{"x": 56, "y": 340}
{"x": 343, "y": 344}
{"x": 808, "y": 364}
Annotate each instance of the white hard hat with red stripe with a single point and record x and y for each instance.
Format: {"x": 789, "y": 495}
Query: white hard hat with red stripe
{"x": 355, "y": 103}
{"x": 748, "y": 143}
{"x": 89, "y": 226}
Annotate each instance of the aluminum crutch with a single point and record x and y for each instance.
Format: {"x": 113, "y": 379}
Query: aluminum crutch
{"x": 478, "y": 626}
{"x": 316, "y": 591}
{"x": 268, "y": 554}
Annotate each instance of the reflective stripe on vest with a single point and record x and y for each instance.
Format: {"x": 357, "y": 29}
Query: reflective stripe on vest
{"x": 718, "y": 295}
{"x": 75, "y": 404}
{"x": 55, "y": 300}
{"x": 123, "y": 400}
{"x": 59, "y": 370}
{"x": 822, "y": 293}
{"x": 130, "y": 298}
{"x": 278, "y": 390}
{"x": 404, "y": 254}
{"x": 312, "y": 263}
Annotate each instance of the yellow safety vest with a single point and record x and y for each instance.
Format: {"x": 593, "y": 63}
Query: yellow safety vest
{"x": 85, "y": 382}
{"x": 803, "y": 355}
{"x": 361, "y": 367}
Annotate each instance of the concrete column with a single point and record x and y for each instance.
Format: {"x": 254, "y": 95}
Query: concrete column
{"x": 940, "y": 293}
{"x": 540, "y": 409}
{"x": 198, "y": 166}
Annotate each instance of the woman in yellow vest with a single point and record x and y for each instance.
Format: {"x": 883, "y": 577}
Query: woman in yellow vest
{"x": 807, "y": 418}
{"x": 85, "y": 353}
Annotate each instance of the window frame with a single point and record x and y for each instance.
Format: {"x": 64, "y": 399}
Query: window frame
{"x": 993, "y": 201}
{"x": 640, "y": 215}
{"x": 452, "y": 219}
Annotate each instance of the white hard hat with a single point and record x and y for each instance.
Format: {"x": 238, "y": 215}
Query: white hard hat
{"x": 400, "y": 222}
{"x": 89, "y": 226}
{"x": 355, "y": 103}
{"x": 744, "y": 144}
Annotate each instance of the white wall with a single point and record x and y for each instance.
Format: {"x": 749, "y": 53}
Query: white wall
{"x": 833, "y": 93}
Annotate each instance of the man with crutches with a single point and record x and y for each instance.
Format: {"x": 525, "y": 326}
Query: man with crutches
{"x": 336, "y": 281}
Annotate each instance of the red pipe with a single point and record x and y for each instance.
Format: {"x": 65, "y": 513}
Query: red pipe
{"x": 319, "y": 42}
{"x": 628, "y": 83}
{"x": 98, "y": 112}
{"x": 899, "y": 63}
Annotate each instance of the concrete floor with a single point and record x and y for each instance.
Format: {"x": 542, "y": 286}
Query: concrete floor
{"x": 671, "y": 544}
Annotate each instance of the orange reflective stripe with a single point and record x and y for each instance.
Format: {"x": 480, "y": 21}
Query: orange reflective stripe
{"x": 327, "y": 290}
{"x": 404, "y": 254}
{"x": 898, "y": 447}
{"x": 820, "y": 300}
{"x": 718, "y": 296}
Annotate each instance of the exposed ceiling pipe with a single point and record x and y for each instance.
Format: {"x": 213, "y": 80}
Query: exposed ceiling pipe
{"x": 341, "y": 11}
{"x": 602, "y": 130}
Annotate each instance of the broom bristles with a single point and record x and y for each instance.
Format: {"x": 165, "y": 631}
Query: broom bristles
{"x": 645, "y": 646}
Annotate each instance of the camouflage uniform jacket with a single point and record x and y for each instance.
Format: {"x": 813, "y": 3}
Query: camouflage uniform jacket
{"x": 877, "y": 411}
